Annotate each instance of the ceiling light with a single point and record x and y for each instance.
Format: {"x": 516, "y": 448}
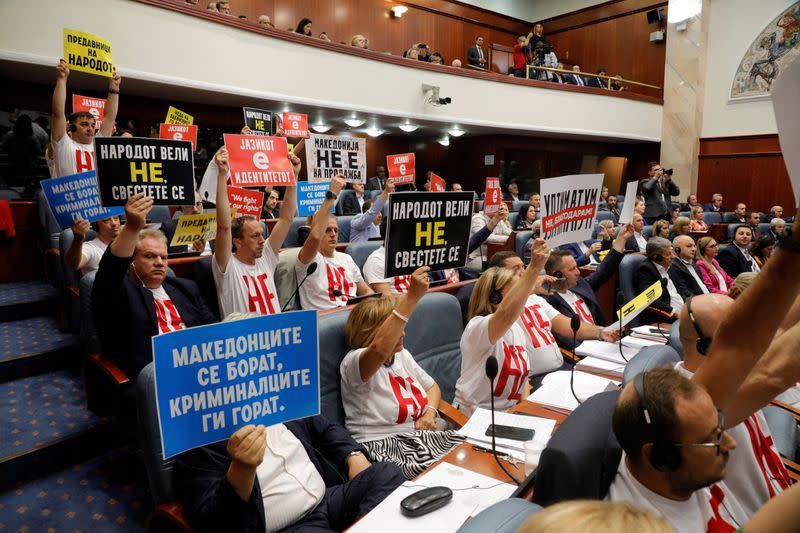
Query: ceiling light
{"x": 445, "y": 141}
{"x": 354, "y": 122}
{"x": 374, "y": 132}
{"x": 320, "y": 128}
{"x": 408, "y": 128}
{"x": 456, "y": 132}
{"x": 398, "y": 11}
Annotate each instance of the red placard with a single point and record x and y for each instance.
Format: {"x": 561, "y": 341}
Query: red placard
{"x": 295, "y": 125}
{"x": 259, "y": 161}
{"x": 401, "y": 168}
{"x": 179, "y": 132}
{"x": 246, "y": 202}
{"x": 491, "y": 204}
{"x": 95, "y": 106}
{"x": 437, "y": 183}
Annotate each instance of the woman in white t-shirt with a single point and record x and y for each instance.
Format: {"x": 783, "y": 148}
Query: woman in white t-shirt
{"x": 390, "y": 402}
{"x": 496, "y": 303}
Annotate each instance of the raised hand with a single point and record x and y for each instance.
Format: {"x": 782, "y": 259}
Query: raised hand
{"x": 297, "y": 164}
{"x": 79, "y": 229}
{"x": 221, "y": 160}
{"x": 419, "y": 283}
{"x": 114, "y": 81}
{"x": 246, "y": 447}
{"x": 540, "y": 252}
{"x": 337, "y": 184}
{"x": 62, "y": 70}
{"x": 136, "y": 209}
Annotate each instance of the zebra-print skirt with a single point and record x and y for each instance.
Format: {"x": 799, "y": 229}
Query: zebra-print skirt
{"x": 414, "y": 452}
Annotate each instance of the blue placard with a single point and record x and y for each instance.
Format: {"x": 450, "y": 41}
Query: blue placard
{"x": 76, "y": 197}
{"x": 310, "y": 197}
{"x": 213, "y": 380}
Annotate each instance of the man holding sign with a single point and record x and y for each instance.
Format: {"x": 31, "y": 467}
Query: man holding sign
{"x": 401, "y": 170}
{"x": 73, "y": 151}
{"x": 86, "y": 256}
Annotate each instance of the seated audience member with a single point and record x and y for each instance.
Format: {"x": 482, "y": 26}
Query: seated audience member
{"x": 367, "y": 225}
{"x": 375, "y": 275}
{"x": 585, "y": 252}
{"x": 736, "y": 258}
{"x": 85, "y": 256}
{"x": 742, "y": 282}
{"x": 761, "y": 249}
{"x": 740, "y": 214}
{"x": 520, "y": 53}
{"x": 776, "y": 228}
{"x": 281, "y": 477}
{"x": 639, "y": 207}
{"x": 715, "y": 206}
{"x": 271, "y": 209}
{"x": 304, "y": 27}
{"x": 536, "y": 201}
{"x": 714, "y": 277}
{"x": 698, "y": 224}
{"x": 353, "y": 204}
{"x": 265, "y": 22}
{"x": 456, "y": 63}
{"x": 592, "y": 516}
{"x": 224, "y": 7}
{"x": 776, "y": 211}
{"x": 456, "y": 187}
{"x": 637, "y": 242}
{"x": 359, "y": 41}
{"x": 378, "y": 181}
{"x": 437, "y": 59}
{"x": 423, "y": 53}
{"x": 660, "y": 255}
{"x": 526, "y": 217}
{"x": 681, "y": 226}
{"x": 558, "y": 77}
{"x": 132, "y": 297}
{"x": 500, "y": 233}
{"x": 610, "y": 205}
{"x": 245, "y": 279}
{"x": 575, "y": 78}
{"x": 212, "y": 6}
{"x": 324, "y": 36}
{"x": 604, "y": 194}
{"x": 605, "y": 231}
{"x": 495, "y": 306}
{"x": 512, "y": 195}
{"x": 390, "y": 402}
{"x": 336, "y": 278}
{"x": 676, "y": 213}
{"x": 168, "y": 228}
{"x": 478, "y": 238}
{"x": 683, "y": 271}
{"x": 661, "y": 229}
{"x": 475, "y": 54}
{"x": 691, "y": 201}
{"x": 753, "y": 220}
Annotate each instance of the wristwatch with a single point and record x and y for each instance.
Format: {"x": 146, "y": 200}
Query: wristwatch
{"x": 356, "y": 452}
{"x": 330, "y": 195}
{"x": 113, "y": 91}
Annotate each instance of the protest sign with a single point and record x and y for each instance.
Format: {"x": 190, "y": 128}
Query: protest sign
{"x": 213, "y": 380}
{"x": 328, "y": 155}
{"x": 494, "y": 197}
{"x": 258, "y": 120}
{"x": 295, "y": 125}
{"x": 246, "y": 202}
{"x": 427, "y": 228}
{"x": 310, "y": 197}
{"x": 569, "y": 205}
{"x": 191, "y": 228}
{"x": 787, "y": 117}
{"x": 94, "y": 106}
{"x": 176, "y": 116}
{"x": 437, "y": 183}
{"x": 634, "y": 308}
{"x": 626, "y": 214}
{"x": 88, "y": 53}
{"x": 76, "y": 197}
{"x": 160, "y": 168}
{"x": 258, "y": 161}
{"x": 179, "y": 132}
{"x": 401, "y": 168}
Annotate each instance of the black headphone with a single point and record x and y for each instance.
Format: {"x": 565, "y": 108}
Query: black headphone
{"x": 558, "y": 274}
{"x": 677, "y": 251}
{"x": 665, "y": 456}
{"x": 658, "y": 258}
{"x": 72, "y": 127}
{"x": 495, "y": 295}
{"x": 703, "y": 343}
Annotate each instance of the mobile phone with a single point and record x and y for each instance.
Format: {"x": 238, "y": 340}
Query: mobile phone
{"x": 510, "y": 432}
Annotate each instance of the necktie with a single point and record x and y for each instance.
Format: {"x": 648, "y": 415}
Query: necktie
{"x": 480, "y": 52}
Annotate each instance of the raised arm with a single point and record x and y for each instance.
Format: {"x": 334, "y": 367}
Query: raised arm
{"x": 320, "y": 222}
{"x": 136, "y": 210}
{"x": 361, "y": 221}
{"x": 112, "y": 105}
{"x": 223, "y": 248}
{"x": 74, "y": 259}
{"x": 289, "y": 205}
{"x": 58, "y": 119}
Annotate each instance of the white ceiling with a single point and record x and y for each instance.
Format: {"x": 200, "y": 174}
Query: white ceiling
{"x": 532, "y": 10}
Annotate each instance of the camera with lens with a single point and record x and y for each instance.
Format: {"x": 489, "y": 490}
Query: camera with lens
{"x": 667, "y": 171}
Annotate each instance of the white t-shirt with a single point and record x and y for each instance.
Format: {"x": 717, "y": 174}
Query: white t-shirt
{"x": 374, "y": 272}
{"x": 71, "y": 157}
{"x": 337, "y": 273}
{"x": 389, "y": 403}
{"x": 536, "y": 321}
{"x": 167, "y": 314}
{"x": 92, "y": 251}
{"x": 290, "y": 484}
{"x": 244, "y": 288}
{"x": 472, "y": 387}
{"x": 712, "y": 509}
{"x": 578, "y": 306}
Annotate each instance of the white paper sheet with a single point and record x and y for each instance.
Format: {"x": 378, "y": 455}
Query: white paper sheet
{"x": 594, "y": 364}
{"x": 606, "y": 350}
{"x": 640, "y": 342}
{"x": 787, "y": 116}
{"x": 387, "y": 518}
{"x": 626, "y": 214}
{"x": 475, "y": 430}
{"x": 556, "y": 392}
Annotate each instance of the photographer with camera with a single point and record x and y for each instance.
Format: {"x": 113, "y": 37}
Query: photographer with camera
{"x": 658, "y": 190}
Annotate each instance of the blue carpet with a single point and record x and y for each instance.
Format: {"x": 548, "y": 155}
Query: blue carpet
{"x": 26, "y": 292}
{"x": 107, "y": 494}
{"x": 32, "y": 336}
{"x": 40, "y": 409}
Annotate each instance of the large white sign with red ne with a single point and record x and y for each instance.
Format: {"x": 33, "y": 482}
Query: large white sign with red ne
{"x": 569, "y": 206}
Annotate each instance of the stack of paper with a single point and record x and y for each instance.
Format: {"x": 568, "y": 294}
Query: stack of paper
{"x": 651, "y": 333}
{"x": 600, "y": 366}
{"x": 634, "y": 341}
{"x": 475, "y": 430}
{"x": 606, "y": 350}
{"x": 556, "y": 392}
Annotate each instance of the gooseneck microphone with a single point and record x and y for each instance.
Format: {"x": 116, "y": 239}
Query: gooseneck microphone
{"x": 664, "y": 284}
{"x": 575, "y": 324}
{"x": 491, "y": 373}
{"x": 310, "y": 269}
{"x": 620, "y": 305}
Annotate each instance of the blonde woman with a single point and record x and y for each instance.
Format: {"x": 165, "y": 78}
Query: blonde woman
{"x": 359, "y": 41}
{"x": 661, "y": 229}
{"x": 714, "y": 277}
{"x": 698, "y": 224}
{"x": 592, "y": 516}
{"x": 681, "y": 226}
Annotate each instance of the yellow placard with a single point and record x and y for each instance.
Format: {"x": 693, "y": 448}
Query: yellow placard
{"x": 648, "y": 296}
{"x": 191, "y": 228}
{"x": 176, "y": 116}
{"x": 88, "y": 53}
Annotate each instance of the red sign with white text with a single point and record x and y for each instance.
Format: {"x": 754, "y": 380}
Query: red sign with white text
{"x": 401, "y": 168}
{"x": 295, "y": 125}
{"x": 94, "y": 106}
{"x": 491, "y": 204}
{"x": 437, "y": 183}
{"x": 179, "y": 132}
{"x": 259, "y": 161}
{"x": 246, "y": 202}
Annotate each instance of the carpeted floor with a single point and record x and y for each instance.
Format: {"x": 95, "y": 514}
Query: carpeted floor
{"x": 26, "y": 291}
{"x": 32, "y": 336}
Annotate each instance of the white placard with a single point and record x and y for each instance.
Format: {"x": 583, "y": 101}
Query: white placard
{"x": 787, "y": 116}
{"x": 488, "y": 160}
{"x": 626, "y": 215}
{"x": 329, "y": 155}
{"x": 569, "y": 207}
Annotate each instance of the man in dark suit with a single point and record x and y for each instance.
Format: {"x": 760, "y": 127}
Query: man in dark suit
{"x": 655, "y": 269}
{"x": 739, "y": 214}
{"x": 610, "y": 205}
{"x": 600, "y": 83}
{"x": 735, "y": 258}
{"x": 658, "y": 190}
{"x": 753, "y": 220}
{"x": 377, "y": 182}
{"x": 585, "y": 252}
{"x": 636, "y": 242}
{"x": 683, "y": 271}
{"x": 716, "y": 204}
{"x": 352, "y": 204}
{"x": 475, "y": 55}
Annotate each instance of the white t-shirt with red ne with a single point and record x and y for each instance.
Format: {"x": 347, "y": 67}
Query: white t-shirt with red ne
{"x": 375, "y": 272}
{"x": 711, "y": 509}
{"x": 472, "y": 387}
{"x": 70, "y": 157}
{"x": 334, "y": 281}
{"x": 244, "y": 288}
{"x": 536, "y": 321}
{"x": 578, "y": 306}
{"x": 167, "y": 315}
{"x": 389, "y": 403}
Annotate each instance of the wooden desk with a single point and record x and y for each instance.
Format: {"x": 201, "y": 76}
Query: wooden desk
{"x": 606, "y": 294}
{"x": 719, "y": 232}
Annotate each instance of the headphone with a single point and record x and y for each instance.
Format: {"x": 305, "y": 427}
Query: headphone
{"x": 677, "y": 250}
{"x": 658, "y": 258}
{"x": 72, "y": 128}
{"x": 703, "y": 343}
{"x": 558, "y": 274}
{"x": 495, "y": 295}
{"x": 665, "y": 456}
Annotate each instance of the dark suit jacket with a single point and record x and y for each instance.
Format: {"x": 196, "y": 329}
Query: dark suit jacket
{"x": 579, "y": 256}
{"x": 473, "y": 58}
{"x": 374, "y": 184}
{"x": 632, "y": 246}
{"x": 683, "y": 280}
{"x": 212, "y": 503}
{"x": 276, "y": 213}
{"x": 126, "y": 316}
{"x": 733, "y": 261}
{"x": 711, "y": 208}
{"x": 350, "y": 205}
{"x": 591, "y": 81}
{"x": 658, "y": 204}
{"x": 645, "y": 276}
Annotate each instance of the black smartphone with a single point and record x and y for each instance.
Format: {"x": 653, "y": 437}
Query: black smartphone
{"x": 510, "y": 432}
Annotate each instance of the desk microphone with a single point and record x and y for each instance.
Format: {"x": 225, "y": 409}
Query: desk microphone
{"x": 620, "y": 305}
{"x": 310, "y": 269}
{"x": 664, "y": 284}
{"x": 491, "y": 373}
{"x": 575, "y": 324}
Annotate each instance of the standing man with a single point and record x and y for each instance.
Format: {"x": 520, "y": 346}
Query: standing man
{"x": 475, "y": 55}
{"x": 658, "y": 190}
{"x": 611, "y": 207}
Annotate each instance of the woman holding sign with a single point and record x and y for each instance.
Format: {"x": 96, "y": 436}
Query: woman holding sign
{"x": 390, "y": 402}
{"x": 497, "y": 301}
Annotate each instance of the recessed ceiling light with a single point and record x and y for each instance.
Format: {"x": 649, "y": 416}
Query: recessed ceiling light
{"x": 408, "y": 128}
{"x": 456, "y": 131}
{"x": 320, "y": 128}
{"x": 374, "y": 132}
{"x": 445, "y": 141}
{"x": 354, "y": 122}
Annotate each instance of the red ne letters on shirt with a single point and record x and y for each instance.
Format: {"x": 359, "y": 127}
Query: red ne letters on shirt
{"x": 260, "y": 299}
{"x": 337, "y": 280}
{"x": 583, "y": 313}
{"x": 401, "y": 284}
{"x": 515, "y": 365}
{"x": 537, "y": 327}
{"x": 452, "y": 275}
{"x": 84, "y": 160}
{"x": 409, "y": 396}
{"x": 717, "y": 524}
{"x": 769, "y": 462}
{"x": 167, "y": 316}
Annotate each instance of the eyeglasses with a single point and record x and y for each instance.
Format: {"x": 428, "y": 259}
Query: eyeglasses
{"x": 716, "y": 445}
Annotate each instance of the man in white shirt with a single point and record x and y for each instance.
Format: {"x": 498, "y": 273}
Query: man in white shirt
{"x": 73, "y": 150}
{"x": 660, "y": 255}
{"x": 683, "y": 270}
{"x": 245, "y": 278}
{"x": 367, "y": 225}
{"x": 337, "y": 278}
{"x": 637, "y": 243}
{"x": 735, "y": 258}
{"x": 375, "y": 275}
{"x": 86, "y": 256}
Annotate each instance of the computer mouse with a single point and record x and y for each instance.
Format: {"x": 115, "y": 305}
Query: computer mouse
{"x": 426, "y": 500}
